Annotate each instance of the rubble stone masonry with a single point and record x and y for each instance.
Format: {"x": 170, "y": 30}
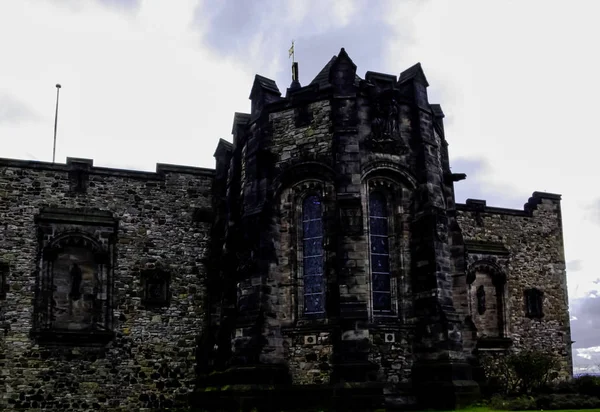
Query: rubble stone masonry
{"x": 149, "y": 359}
{"x": 528, "y": 246}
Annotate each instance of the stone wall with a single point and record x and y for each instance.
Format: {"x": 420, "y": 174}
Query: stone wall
{"x": 162, "y": 222}
{"x": 528, "y": 247}
{"x": 310, "y": 140}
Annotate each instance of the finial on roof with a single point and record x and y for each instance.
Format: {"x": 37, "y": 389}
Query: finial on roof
{"x": 295, "y": 77}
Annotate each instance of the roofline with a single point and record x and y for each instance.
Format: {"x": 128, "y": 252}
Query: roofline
{"x": 161, "y": 168}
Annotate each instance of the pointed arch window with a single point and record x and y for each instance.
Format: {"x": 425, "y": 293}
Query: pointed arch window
{"x": 313, "y": 257}
{"x": 380, "y": 252}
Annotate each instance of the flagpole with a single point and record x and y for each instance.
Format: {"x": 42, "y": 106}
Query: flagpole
{"x": 55, "y": 122}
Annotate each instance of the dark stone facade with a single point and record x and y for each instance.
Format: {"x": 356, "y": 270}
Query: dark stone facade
{"x": 323, "y": 258}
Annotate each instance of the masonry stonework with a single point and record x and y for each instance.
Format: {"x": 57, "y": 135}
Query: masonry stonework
{"x": 323, "y": 259}
{"x": 527, "y": 247}
{"x": 138, "y": 354}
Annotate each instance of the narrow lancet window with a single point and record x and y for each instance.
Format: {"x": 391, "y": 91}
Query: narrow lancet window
{"x": 380, "y": 253}
{"x": 312, "y": 231}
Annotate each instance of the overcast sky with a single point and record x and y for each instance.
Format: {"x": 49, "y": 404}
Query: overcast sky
{"x": 157, "y": 81}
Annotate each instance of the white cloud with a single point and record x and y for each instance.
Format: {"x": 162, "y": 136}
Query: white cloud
{"x": 136, "y": 88}
{"x": 520, "y": 93}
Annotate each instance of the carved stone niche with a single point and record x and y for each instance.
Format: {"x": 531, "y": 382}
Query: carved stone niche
{"x": 73, "y": 293}
{"x": 385, "y": 125}
{"x": 155, "y": 285}
{"x": 351, "y": 216}
{"x": 79, "y": 171}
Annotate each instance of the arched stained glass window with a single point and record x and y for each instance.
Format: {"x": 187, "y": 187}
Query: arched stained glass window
{"x": 380, "y": 252}
{"x": 312, "y": 239}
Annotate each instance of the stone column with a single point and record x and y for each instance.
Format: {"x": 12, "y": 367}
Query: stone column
{"x": 440, "y": 366}
{"x": 352, "y": 346}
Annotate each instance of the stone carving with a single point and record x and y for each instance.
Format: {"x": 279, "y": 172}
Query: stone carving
{"x": 385, "y": 128}
{"x": 76, "y": 287}
{"x": 75, "y": 293}
{"x": 441, "y": 231}
{"x": 385, "y": 120}
{"x": 351, "y": 217}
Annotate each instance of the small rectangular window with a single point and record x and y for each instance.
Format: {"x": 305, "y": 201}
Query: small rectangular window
{"x": 155, "y": 283}
{"x": 534, "y": 303}
{"x": 3, "y": 280}
{"x": 303, "y": 116}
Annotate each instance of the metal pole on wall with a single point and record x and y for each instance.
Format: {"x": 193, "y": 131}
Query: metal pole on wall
{"x": 55, "y": 122}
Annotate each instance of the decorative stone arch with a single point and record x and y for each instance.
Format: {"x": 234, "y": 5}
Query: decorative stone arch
{"x": 389, "y": 170}
{"x": 489, "y": 267}
{"x": 492, "y": 323}
{"x": 303, "y": 171}
{"x": 73, "y": 293}
{"x": 75, "y": 238}
{"x": 396, "y": 186}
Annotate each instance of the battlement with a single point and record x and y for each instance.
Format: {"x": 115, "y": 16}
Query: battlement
{"x": 74, "y": 163}
{"x": 480, "y": 205}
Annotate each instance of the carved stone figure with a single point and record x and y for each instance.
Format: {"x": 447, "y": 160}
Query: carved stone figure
{"x": 76, "y": 277}
{"x": 392, "y": 119}
{"x": 481, "y": 300}
{"x": 385, "y": 137}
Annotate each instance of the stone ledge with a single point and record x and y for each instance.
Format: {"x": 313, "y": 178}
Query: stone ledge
{"x": 488, "y": 248}
{"x": 480, "y": 205}
{"x": 161, "y": 168}
{"x": 189, "y": 170}
{"x": 76, "y": 216}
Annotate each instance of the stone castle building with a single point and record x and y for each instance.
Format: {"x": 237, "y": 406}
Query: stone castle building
{"x": 324, "y": 257}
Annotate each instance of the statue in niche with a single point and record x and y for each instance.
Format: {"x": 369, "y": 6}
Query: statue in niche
{"x": 392, "y": 119}
{"x": 377, "y": 123}
{"x": 76, "y": 277}
{"x": 481, "y": 300}
{"x": 385, "y": 137}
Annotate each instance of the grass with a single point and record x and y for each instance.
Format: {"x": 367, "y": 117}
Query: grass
{"x": 487, "y": 409}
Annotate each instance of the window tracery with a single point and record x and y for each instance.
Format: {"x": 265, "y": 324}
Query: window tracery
{"x": 380, "y": 252}
{"x": 313, "y": 257}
